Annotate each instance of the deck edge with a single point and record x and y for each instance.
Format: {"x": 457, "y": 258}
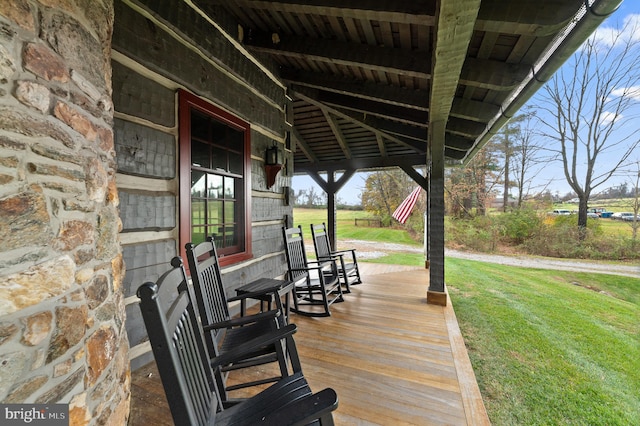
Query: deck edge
{"x": 473, "y": 404}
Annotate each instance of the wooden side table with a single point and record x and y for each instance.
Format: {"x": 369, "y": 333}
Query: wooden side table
{"x": 272, "y": 290}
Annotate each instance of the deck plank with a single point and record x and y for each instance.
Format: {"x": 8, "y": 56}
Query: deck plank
{"x": 392, "y": 359}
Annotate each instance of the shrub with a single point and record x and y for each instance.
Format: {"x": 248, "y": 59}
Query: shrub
{"x": 517, "y": 226}
{"x": 476, "y": 233}
{"x": 559, "y": 236}
{"x": 555, "y": 236}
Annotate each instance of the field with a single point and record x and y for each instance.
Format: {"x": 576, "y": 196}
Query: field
{"x": 347, "y": 229}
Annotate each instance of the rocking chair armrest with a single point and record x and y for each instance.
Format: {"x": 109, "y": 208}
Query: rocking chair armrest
{"x": 242, "y": 350}
{"x": 248, "y": 319}
{"x": 304, "y": 410}
{"x": 332, "y": 257}
{"x": 321, "y": 264}
{"x": 253, "y": 294}
{"x": 308, "y": 268}
{"x": 343, "y": 252}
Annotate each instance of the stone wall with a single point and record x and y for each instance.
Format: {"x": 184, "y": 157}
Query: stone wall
{"x": 62, "y": 314}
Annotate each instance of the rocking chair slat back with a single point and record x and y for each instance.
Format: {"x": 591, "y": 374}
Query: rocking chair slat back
{"x": 297, "y": 257}
{"x": 187, "y": 372}
{"x": 222, "y": 333}
{"x": 345, "y": 259}
{"x": 316, "y": 284}
{"x": 178, "y": 348}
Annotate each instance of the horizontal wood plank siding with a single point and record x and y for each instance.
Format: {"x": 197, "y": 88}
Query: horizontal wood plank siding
{"x": 152, "y": 60}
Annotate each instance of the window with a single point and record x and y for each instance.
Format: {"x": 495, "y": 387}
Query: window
{"x": 215, "y": 180}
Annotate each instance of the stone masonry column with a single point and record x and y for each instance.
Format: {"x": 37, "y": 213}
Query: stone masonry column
{"x": 62, "y": 336}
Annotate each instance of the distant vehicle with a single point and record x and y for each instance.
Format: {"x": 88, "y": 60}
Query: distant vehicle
{"x": 561, "y": 212}
{"x": 593, "y": 215}
{"x": 600, "y": 211}
{"x": 574, "y": 201}
{"x": 630, "y": 217}
{"x": 622, "y": 216}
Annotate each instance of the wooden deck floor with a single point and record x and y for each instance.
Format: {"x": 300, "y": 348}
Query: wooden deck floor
{"x": 392, "y": 359}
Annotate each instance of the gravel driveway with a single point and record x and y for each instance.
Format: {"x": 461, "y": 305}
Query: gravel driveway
{"x": 372, "y": 250}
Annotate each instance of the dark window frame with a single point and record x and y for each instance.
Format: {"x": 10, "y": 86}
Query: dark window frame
{"x": 188, "y": 102}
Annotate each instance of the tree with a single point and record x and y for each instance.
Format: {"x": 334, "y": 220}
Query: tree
{"x": 384, "y": 190}
{"x": 587, "y": 108}
{"x": 309, "y": 198}
{"x": 472, "y": 185}
{"x": 519, "y": 150}
{"x": 635, "y": 191}
{"x": 504, "y": 142}
{"x": 525, "y": 159}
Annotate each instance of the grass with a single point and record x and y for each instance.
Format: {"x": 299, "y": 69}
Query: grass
{"x": 346, "y": 228}
{"x": 408, "y": 259}
{"x": 547, "y": 348}
{"x": 615, "y": 227}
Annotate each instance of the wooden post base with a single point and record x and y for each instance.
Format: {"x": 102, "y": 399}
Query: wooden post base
{"x": 436, "y": 298}
{"x": 426, "y": 264}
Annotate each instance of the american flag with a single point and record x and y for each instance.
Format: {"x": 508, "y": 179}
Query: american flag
{"x": 404, "y": 209}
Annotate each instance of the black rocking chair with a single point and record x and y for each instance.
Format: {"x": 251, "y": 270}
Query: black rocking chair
{"x": 223, "y": 333}
{"x": 188, "y": 375}
{"x": 316, "y": 284}
{"x": 345, "y": 259}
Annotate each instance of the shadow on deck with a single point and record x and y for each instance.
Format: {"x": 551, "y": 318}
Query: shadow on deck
{"x": 392, "y": 359}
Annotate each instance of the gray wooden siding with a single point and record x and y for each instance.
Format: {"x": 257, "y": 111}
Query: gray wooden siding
{"x": 141, "y": 211}
{"x": 143, "y": 151}
{"x": 149, "y": 65}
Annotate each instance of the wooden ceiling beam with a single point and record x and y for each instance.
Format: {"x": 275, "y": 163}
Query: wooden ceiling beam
{"x": 494, "y": 75}
{"x": 374, "y": 58}
{"x": 399, "y": 129}
{"x": 416, "y": 12}
{"x": 304, "y": 146}
{"x": 415, "y": 98}
{"x": 484, "y": 73}
{"x": 463, "y": 127}
{"x": 482, "y": 112}
{"x": 380, "y": 109}
{"x": 403, "y": 115}
{"x": 530, "y": 17}
{"x": 309, "y": 98}
{"x": 387, "y": 128}
{"x": 417, "y": 177}
{"x": 363, "y": 163}
{"x": 381, "y": 146}
{"x": 335, "y": 128}
{"x": 459, "y": 143}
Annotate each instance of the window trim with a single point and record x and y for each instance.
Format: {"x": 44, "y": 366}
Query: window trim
{"x": 186, "y": 102}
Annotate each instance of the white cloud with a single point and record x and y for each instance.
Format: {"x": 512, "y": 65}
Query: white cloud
{"x": 609, "y": 36}
{"x": 608, "y": 117}
{"x": 632, "y": 92}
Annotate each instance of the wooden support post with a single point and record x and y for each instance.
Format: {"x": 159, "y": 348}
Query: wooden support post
{"x": 331, "y": 218}
{"x": 436, "y": 293}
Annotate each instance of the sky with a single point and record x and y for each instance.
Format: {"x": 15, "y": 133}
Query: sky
{"x": 552, "y": 176}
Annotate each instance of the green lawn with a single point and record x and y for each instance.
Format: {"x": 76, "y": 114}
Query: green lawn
{"x": 547, "y": 347}
{"x": 346, "y": 228}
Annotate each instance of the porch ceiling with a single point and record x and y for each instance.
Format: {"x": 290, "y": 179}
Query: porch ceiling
{"x": 368, "y": 77}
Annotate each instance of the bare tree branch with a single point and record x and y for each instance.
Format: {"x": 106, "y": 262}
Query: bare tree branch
{"x": 587, "y": 111}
